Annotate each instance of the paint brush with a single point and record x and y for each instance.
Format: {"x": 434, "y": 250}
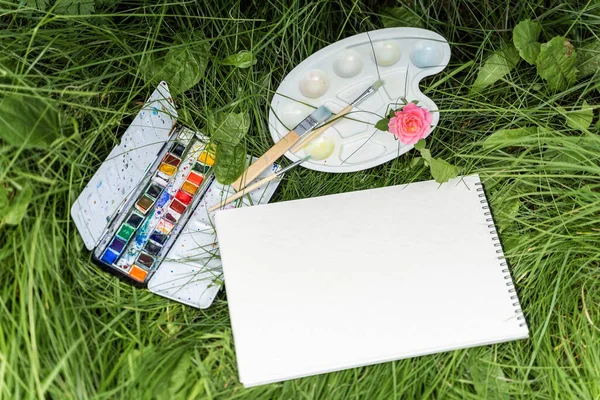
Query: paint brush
{"x": 317, "y": 132}
{"x": 256, "y": 185}
{"x": 318, "y": 116}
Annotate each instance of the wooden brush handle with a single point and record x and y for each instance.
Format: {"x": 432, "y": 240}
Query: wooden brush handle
{"x": 243, "y": 192}
{"x": 266, "y": 160}
{"x": 317, "y": 132}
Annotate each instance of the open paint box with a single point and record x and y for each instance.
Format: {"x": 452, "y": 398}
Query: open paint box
{"x": 335, "y": 75}
{"x": 144, "y": 213}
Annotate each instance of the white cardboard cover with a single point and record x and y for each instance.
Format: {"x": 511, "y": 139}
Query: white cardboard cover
{"x": 124, "y": 167}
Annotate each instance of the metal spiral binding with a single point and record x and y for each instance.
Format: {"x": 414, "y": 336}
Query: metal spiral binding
{"x": 511, "y": 289}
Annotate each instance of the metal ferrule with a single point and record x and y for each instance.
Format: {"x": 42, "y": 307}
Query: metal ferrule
{"x": 306, "y": 125}
{"x": 318, "y": 116}
{"x": 295, "y": 163}
{"x": 364, "y": 95}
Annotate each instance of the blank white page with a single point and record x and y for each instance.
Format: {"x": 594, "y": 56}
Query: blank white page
{"x": 334, "y": 282}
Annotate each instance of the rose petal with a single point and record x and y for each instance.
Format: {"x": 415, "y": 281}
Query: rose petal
{"x": 428, "y": 116}
{"x": 410, "y": 107}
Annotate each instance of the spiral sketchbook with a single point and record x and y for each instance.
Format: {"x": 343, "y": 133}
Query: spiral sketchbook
{"x": 353, "y": 279}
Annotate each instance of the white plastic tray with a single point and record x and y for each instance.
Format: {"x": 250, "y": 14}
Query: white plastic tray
{"x": 405, "y": 56}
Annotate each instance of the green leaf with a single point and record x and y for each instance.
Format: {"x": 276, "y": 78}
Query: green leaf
{"x": 556, "y": 63}
{"x": 488, "y": 378}
{"x": 28, "y": 121}
{"x": 415, "y": 162}
{"x": 525, "y": 37}
{"x": 426, "y": 154}
{"x": 230, "y": 162}
{"x": 569, "y": 156}
{"x": 399, "y": 17}
{"x": 182, "y": 66}
{"x": 505, "y": 210}
{"x": 179, "y": 377}
{"x": 39, "y": 4}
{"x": 243, "y": 59}
{"x": 382, "y": 124}
{"x": 441, "y": 170}
{"x": 18, "y": 206}
{"x": 391, "y": 114}
{"x": 420, "y": 145}
{"x": 588, "y": 59}
{"x": 228, "y": 128}
{"x": 496, "y": 67}
{"x": 510, "y": 137}
{"x": 74, "y": 7}
{"x": 582, "y": 118}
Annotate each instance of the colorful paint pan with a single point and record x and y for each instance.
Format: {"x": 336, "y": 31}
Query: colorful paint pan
{"x": 201, "y": 168}
{"x": 109, "y": 257}
{"x": 172, "y": 216}
{"x": 195, "y": 178}
{"x": 145, "y": 260}
{"x": 177, "y": 206}
{"x": 183, "y": 197}
{"x": 138, "y": 273}
{"x": 163, "y": 199}
{"x": 171, "y": 160}
{"x": 154, "y": 191}
{"x": 159, "y": 180}
{"x": 163, "y": 176}
{"x": 117, "y": 245}
{"x": 189, "y": 187}
{"x": 167, "y": 169}
{"x": 126, "y": 232}
{"x": 135, "y": 220}
{"x": 144, "y": 204}
{"x": 152, "y": 248}
{"x": 177, "y": 149}
{"x": 165, "y": 226}
{"x": 158, "y": 237}
{"x": 206, "y": 158}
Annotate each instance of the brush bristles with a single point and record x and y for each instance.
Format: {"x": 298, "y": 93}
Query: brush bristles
{"x": 377, "y": 84}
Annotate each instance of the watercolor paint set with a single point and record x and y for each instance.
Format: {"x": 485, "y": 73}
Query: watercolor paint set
{"x": 334, "y": 76}
{"x": 146, "y": 227}
{"x": 144, "y": 214}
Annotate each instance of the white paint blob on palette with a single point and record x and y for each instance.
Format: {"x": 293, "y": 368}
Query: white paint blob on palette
{"x": 336, "y": 75}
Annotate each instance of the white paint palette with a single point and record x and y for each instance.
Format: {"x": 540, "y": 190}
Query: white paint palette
{"x": 336, "y": 75}
{"x": 144, "y": 213}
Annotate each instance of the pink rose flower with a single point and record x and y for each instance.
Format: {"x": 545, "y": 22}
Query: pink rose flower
{"x": 410, "y": 124}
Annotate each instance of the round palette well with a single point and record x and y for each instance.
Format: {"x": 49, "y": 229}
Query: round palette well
{"x": 337, "y": 74}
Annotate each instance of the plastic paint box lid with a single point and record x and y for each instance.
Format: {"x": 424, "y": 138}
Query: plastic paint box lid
{"x": 124, "y": 167}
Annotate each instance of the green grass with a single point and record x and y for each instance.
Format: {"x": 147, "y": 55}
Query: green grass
{"x": 68, "y": 330}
